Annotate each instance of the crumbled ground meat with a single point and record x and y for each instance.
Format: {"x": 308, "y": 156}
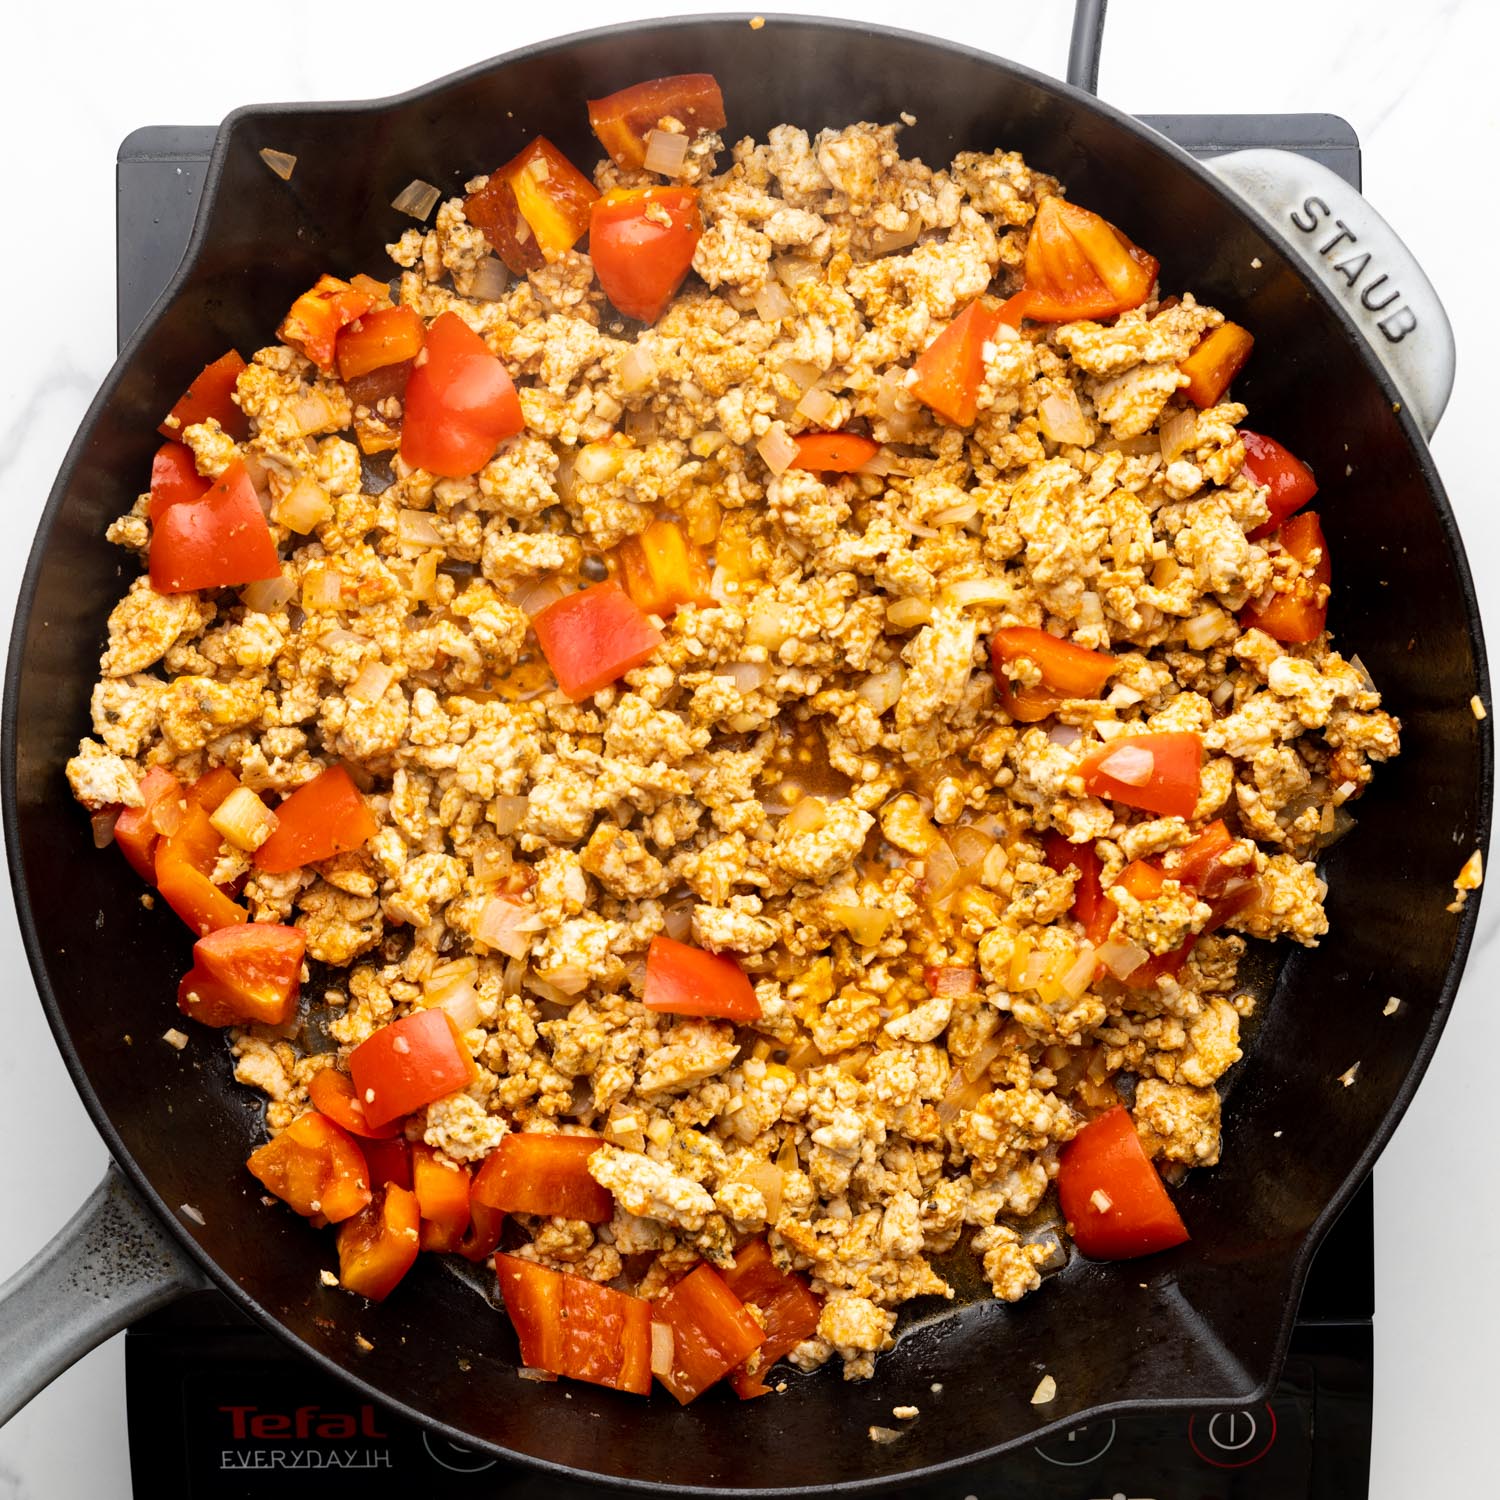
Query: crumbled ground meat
{"x": 813, "y": 774}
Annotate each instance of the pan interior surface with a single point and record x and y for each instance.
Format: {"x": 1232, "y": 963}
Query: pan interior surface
{"x": 1204, "y": 1323}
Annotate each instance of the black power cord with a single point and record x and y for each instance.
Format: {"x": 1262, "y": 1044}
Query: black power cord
{"x": 1083, "y": 50}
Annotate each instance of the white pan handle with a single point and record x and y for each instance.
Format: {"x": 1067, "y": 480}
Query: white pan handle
{"x": 111, "y": 1263}
{"x": 1361, "y": 259}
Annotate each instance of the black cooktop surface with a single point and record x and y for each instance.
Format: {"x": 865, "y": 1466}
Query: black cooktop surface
{"x": 220, "y": 1410}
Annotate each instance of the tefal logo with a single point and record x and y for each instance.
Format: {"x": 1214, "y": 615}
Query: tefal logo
{"x": 305, "y": 1422}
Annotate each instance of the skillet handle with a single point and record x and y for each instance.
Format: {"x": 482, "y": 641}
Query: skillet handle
{"x": 110, "y": 1263}
{"x": 1334, "y": 231}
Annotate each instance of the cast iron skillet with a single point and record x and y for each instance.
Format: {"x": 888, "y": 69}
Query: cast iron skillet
{"x": 1211, "y": 1321}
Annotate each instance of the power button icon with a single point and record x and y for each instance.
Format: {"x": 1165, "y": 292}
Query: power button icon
{"x": 1233, "y": 1439}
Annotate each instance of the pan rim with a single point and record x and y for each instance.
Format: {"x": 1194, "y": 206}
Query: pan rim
{"x": 202, "y": 235}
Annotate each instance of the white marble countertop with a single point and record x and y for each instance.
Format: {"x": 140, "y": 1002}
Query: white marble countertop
{"x": 1418, "y": 85}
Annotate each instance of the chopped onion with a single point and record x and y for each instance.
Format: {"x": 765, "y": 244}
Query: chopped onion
{"x": 323, "y": 589}
{"x": 666, "y": 152}
{"x": 1220, "y": 695}
{"x": 1080, "y": 974}
{"x": 747, "y": 676}
{"x": 772, "y": 303}
{"x": 268, "y": 594}
{"x": 878, "y": 465}
{"x": 1066, "y": 735}
{"x": 488, "y": 281}
{"x": 103, "y": 823}
{"x": 1090, "y": 608}
{"x": 536, "y": 594}
{"x": 777, "y": 449}
{"x": 967, "y": 1085}
{"x": 808, "y": 816}
{"x": 770, "y": 623}
{"x": 1178, "y": 433}
{"x": 1131, "y": 764}
{"x": 506, "y": 926}
{"x": 884, "y": 241}
{"x": 417, "y": 199}
{"x": 793, "y": 271}
{"x": 424, "y": 577}
{"x": 801, "y": 373}
{"x": 243, "y": 819}
{"x": 598, "y": 462}
{"x": 1121, "y": 958}
{"x": 637, "y": 369}
{"x": 1203, "y": 630}
{"x": 867, "y": 925}
{"x": 415, "y": 528}
{"x": 1061, "y": 418}
{"x": 881, "y": 689}
{"x": 769, "y": 1181}
{"x": 895, "y": 407}
{"x": 977, "y": 591}
{"x": 312, "y": 411}
{"x": 970, "y": 846}
{"x": 374, "y": 678}
{"x": 817, "y": 405}
{"x": 955, "y": 515}
{"x": 507, "y": 814}
{"x": 1120, "y": 696}
{"x": 461, "y": 1001}
{"x": 541, "y": 1377}
{"x": 661, "y": 1339}
{"x": 906, "y": 614}
{"x": 1035, "y": 969}
{"x": 304, "y": 507}
{"x": 282, "y": 163}
{"x": 941, "y": 874}
{"x": 571, "y": 979}
{"x": 678, "y": 922}
{"x": 1166, "y": 572}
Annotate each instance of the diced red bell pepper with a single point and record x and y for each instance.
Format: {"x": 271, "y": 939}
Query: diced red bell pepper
{"x": 1068, "y": 671}
{"x": 663, "y": 570}
{"x": 216, "y": 542}
{"x": 175, "y": 479}
{"x": 378, "y": 339}
{"x": 184, "y": 863}
{"x": 950, "y": 370}
{"x": 592, "y": 637}
{"x": 1111, "y": 1195}
{"x": 686, "y": 981}
{"x": 533, "y": 209}
{"x": 247, "y": 973}
{"x": 324, "y": 817}
{"x": 788, "y": 1311}
{"x": 573, "y": 1326}
{"x": 950, "y": 982}
{"x": 1290, "y": 481}
{"x": 379, "y": 1245}
{"x": 1200, "y": 863}
{"x": 211, "y": 788}
{"x": 408, "y": 1064}
{"x": 315, "y": 1167}
{"x": 442, "y": 1190}
{"x": 1298, "y": 613}
{"x": 210, "y": 396}
{"x": 833, "y": 452}
{"x": 1090, "y": 905}
{"x": 460, "y": 403}
{"x": 138, "y": 829}
{"x": 624, "y": 119}
{"x": 483, "y": 1234}
{"x": 388, "y": 1161}
{"x": 1142, "y": 879}
{"x": 711, "y": 1332}
{"x": 1168, "y": 784}
{"x": 1217, "y": 359}
{"x": 1079, "y": 266}
{"x": 532, "y": 1173}
{"x": 332, "y": 1093}
{"x": 642, "y": 242}
{"x": 316, "y": 317}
